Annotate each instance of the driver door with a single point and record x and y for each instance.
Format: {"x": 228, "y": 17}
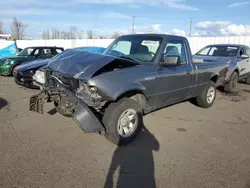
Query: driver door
{"x": 175, "y": 82}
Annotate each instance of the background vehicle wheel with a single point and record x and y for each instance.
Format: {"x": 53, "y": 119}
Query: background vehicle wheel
{"x": 12, "y": 70}
{"x": 207, "y": 98}
{"x": 248, "y": 81}
{"x": 122, "y": 121}
{"x": 231, "y": 87}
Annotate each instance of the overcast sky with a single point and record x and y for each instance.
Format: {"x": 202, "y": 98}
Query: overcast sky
{"x": 210, "y": 18}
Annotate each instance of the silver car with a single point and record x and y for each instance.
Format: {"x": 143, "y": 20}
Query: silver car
{"x": 238, "y": 57}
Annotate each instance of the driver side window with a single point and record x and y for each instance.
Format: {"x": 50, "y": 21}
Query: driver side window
{"x": 123, "y": 47}
{"x": 176, "y": 48}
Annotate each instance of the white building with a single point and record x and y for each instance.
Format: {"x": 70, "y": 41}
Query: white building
{"x": 5, "y": 36}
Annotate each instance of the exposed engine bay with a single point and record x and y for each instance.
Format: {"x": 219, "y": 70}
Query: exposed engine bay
{"x": 48, "y": 79}
{"x": 61, "y": 89}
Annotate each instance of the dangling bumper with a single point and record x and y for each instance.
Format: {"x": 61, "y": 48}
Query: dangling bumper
{"x": 80, "y": 112}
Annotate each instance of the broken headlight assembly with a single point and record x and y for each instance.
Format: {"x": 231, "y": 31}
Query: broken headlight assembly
{"x": 85, "y": 90}
{"x": 39, "y": 76}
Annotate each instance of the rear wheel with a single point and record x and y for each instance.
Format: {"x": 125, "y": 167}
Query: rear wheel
{"x": 207, "y": 97}
{"x": 231, "y": 87}
{"x": 122, "y": 121}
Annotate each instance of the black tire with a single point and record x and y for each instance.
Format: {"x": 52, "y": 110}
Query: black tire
{"x": 11, "y": 73}
{"x": 231, "y": 86}
{"x": 248, "y": 81}
{"x": 111, "y": 118}
{"x": 202, "y": 100}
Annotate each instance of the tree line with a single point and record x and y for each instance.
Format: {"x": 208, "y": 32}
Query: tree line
{"x": 72, "y": 33}
{"x": 18, "y": 29}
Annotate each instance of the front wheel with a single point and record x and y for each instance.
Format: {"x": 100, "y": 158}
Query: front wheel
{"x": 122, "y": 120}
{"x": 13, "y": 69}
{"x": 207, "y": 97}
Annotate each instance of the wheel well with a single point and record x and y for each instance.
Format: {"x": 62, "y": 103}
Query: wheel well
{"x": 14, "y": 66}
{"x": 237, "y": 71}
{"x": 137, "y": 96}
{"x": 214, "y": 78}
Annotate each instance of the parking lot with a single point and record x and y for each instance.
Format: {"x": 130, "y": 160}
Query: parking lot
{"x": 183, "y": 146}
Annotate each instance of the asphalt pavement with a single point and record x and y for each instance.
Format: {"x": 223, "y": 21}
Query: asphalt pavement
{"x": 182, "y": 146}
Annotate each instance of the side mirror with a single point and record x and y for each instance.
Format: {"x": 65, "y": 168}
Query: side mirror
{"x": 244, "y": 56}
{"x": 170, "y": 60}
{"x": 198, "y": 60}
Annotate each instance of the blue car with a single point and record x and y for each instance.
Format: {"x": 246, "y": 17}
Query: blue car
{"x": 91, "y": 49}
{"x": 24, "y": 73}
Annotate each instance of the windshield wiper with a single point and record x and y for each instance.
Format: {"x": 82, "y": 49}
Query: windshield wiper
{"x": 130, "y": 58}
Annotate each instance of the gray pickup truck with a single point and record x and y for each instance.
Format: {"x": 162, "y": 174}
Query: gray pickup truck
{"x": 109, "y": 93}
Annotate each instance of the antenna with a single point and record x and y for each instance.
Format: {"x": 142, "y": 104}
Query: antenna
{"x": 133, "y": 25}
{"x": 190, "y": 27}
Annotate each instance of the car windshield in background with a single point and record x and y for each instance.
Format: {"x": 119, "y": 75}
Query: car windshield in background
{"x": 223, "y": 51}
{"x": 135, "y": 48}
{"x": 27, "y": 52}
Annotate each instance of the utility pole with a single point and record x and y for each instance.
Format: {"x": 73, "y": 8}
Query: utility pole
{"x": 133, "y": 25}
{"x": 190, "y": 27}
{"x": 94, "y": 32}
{"x": 95, "y": 26}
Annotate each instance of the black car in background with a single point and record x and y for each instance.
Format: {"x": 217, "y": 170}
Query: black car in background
{"x": 24, "y": 73}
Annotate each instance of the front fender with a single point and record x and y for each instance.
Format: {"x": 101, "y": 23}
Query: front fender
{"x": 130, "y": 88}
{"x": 112, "y": 92}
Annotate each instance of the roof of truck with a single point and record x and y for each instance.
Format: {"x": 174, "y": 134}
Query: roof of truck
{"x": 155, "y": 35}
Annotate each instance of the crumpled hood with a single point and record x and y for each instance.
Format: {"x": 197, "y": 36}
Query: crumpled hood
{"x": 33, "y": 65}
{"x": 81, "y": 65}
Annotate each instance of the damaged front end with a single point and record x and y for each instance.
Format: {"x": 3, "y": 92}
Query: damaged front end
{"x": 65, "y": 81}
{"x": 65, "y": 99}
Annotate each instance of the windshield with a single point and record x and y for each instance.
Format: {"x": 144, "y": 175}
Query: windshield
{"x": 223, "y": 51}
{"x": 135, "y": 48}
{"x": 28, "y": 52}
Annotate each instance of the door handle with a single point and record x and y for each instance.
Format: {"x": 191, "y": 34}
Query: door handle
{"x": 189, "y": 72}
